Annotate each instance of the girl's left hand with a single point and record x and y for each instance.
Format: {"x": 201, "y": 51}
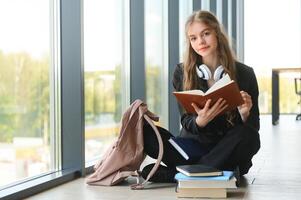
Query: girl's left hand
{"x": 245, "y": 108}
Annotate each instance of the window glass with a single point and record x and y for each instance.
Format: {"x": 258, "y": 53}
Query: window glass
{"x": 106, "y": 72}
{"x": 26, "y": 139}
{"x": 185, "y": 9}
{"x": 156, "y": 58}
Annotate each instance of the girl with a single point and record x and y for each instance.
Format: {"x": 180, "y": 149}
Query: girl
{"x": 230, "y": 140}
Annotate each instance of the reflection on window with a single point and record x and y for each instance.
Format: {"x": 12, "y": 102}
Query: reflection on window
{"x": 25, "y": 135}
{"x": 156, "y": 58}
{"x": 106, "y": 89}
{"x": 267, "y": 46}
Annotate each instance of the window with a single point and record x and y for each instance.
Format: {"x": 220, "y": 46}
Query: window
{"x": 27, "y": 139}
{"x": 185, "y": 9}
{"x": 156, "y": 58}
{"x": 106, "y": 66}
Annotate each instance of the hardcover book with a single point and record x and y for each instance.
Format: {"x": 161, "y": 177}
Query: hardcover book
{"x": 224, "y": 88}
{"x": 227, "y": 180}
{"x": 202, "y": 192}
{"x": 199, "y": 170}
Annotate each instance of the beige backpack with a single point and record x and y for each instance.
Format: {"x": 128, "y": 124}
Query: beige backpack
{"x": 124, "y": 157}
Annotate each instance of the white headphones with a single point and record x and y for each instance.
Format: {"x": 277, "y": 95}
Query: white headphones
{"x": 204, "y": 72}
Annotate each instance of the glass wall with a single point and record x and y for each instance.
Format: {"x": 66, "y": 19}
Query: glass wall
{"x": 156, "y": 61}
{"x": 272, "y": 40}
{"x": 106, "y": 66}
{"x": 26, "y": 139}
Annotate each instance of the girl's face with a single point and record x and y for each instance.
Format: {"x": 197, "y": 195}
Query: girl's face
{"x": 202, "y": 39}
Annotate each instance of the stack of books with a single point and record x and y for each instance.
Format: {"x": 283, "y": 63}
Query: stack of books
{"x": 200, "y": 181}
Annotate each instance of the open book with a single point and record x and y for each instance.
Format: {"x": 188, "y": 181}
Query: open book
{"x": 224, "y": 88}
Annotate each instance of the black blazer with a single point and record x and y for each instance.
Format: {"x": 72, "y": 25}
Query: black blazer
{"x": 215, "y": 129}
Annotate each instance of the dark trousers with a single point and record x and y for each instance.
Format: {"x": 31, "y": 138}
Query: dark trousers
{"x": 236, "y": 148}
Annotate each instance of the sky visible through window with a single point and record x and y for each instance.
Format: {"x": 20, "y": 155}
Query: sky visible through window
{"x": 19, "y": 35}
{"x": 272, "y": 34}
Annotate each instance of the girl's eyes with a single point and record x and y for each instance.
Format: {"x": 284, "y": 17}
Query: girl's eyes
{"x": 206, "y": 33}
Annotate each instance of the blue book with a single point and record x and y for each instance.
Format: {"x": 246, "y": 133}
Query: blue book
{"x": 227, "y": 180}
{"x": 189, "y": 148}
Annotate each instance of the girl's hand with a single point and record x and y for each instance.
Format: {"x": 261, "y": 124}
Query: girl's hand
{"x": 206, "y": 114}
{"x": 244, "y": 109}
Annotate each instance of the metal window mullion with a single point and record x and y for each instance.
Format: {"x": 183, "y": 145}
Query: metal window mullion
{"x": 173, "y": 60}
{"x": 137, "y": 55}
{"x": 225, "y": 14}
{"x": 196, "y": 5}
{"x": 212, "y": 6}
{"x": 72, "y": 95}
{"x": 234, "y": 26}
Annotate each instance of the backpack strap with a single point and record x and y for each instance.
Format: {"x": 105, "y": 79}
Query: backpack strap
{"x": 160, "y": 155}
{"x": 136, "y": 105}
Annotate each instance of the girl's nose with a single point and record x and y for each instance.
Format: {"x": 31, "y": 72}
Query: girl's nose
{"x": 202, "y": 40}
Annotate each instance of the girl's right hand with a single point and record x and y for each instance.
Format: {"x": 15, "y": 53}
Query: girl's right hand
{"x": 206, "y": 114}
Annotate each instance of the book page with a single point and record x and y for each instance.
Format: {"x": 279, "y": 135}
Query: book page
{"x": 197, "y": 92}
{"x": 220, "y": 83}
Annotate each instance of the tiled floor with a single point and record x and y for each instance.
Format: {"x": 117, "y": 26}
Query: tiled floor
{"x": 276, "y": 173}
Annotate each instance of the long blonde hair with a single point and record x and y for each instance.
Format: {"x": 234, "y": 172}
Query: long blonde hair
{"x": 191, "y": 58}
